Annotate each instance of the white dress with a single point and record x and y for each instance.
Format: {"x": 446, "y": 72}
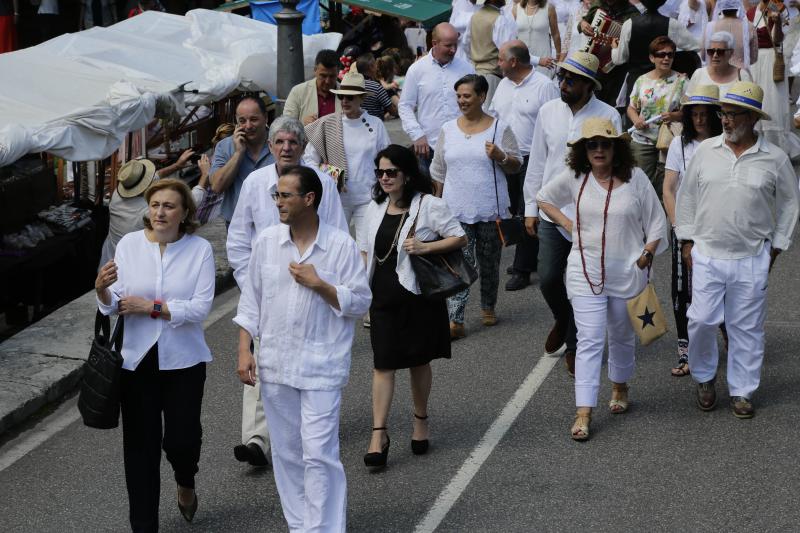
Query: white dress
{"x": 534, "y": 31}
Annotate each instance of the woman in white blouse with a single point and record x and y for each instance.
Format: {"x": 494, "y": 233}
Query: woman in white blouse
{"x": 408, "y": 330}
{"x": 619, "y": 227}
{"x": 161, "y": 282}
{"x": 473, "y": 155}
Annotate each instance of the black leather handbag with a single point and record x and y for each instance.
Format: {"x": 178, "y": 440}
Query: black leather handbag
{"x": 98, "y": 401}
{"x": 510, "y": 230}
{"x": 441, "y": 275}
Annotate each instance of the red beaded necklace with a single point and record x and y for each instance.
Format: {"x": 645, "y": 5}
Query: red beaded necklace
{"x": 602, "y": 283}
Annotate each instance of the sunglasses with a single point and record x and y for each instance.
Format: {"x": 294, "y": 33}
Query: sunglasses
{"x": 391, "y": 173}
{"x": 604, "y": 144}
{"x": 348, "y": 97}
{"x": 564, "y": 78}
{"x": 716, "y": 51}
{"x": 662, "y": 55}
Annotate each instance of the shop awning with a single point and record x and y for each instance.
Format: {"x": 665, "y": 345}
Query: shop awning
{"x": 416, "y": 10}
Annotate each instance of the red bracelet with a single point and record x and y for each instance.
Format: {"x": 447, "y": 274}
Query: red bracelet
{"x": 156, "y": 312}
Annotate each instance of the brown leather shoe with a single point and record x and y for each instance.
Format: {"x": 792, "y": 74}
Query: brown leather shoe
{"x": 742, "y": 407}
{"x": 569, "y": 361}
{"x": 488, "y": 317}
{"x": 556, "y": 338}
{"x": 457, "y": 331}
{"x": 706, "y": 396}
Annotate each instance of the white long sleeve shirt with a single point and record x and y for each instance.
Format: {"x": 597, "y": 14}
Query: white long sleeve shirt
{"x": 676, "y": 31}
{"x": 256, "y": 211}
{"x": 730, "y": 206}
{"x": 428, "y": 99}
{"x": 183, "y": 278}
{"x": 305, "y": 343}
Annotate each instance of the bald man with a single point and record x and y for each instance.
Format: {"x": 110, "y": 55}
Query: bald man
{"x": 428, "y": 99}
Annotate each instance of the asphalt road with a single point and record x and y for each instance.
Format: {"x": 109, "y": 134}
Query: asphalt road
{"x": 663, "y": 466}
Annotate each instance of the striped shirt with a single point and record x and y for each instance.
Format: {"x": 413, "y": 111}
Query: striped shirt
{"x": 376, "y": 101}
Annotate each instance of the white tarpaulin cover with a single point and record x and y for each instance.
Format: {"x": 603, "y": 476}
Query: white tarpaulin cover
{"x": 77, "y": 95}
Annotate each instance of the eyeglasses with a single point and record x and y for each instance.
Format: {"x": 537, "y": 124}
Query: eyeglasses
{"x": 662, "y": 55}
{"x": 716, "y": 51}
{"x": 730, "y": 115}
{"x": 286, "y": 195}
{"x": 348, "y": 97}
{"x": 391, "y": 173}
{"x": 604, "y": 144}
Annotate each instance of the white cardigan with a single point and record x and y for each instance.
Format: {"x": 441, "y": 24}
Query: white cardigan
{"x": 435, "y": 220}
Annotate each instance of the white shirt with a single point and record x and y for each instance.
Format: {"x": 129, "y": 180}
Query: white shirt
{"x": 256, "y": 211}
{"x": 429, "y": 89}
{"x": 701, "y": 77}
{"x": 305, "y": 343}
{"x": 682, "y": 37}
{"x": 518, "y": 104}
{"x": 555, "y": 126}
{"x": 635, "y": 218}
{"x": 435, "y": 221}
{"x": 730, "y": 206}
{"x": 695, "y": 21}
{"x": 679, "y": 156}
{"x": 183, "y": 278}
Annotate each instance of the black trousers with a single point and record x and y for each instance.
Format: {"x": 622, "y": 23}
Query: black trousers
{"x": 148, "y": 394}
{"x": 527, "y": 251}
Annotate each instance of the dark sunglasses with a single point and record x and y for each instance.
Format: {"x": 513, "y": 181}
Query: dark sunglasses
{"x": 347, "y": 97}
{"x": 662, "y": 55}
{"x": 564, "y": 78}
{"x": 604, "y": 144}
{"x": 391, "y": 173}
{"x": 716, "y": 51}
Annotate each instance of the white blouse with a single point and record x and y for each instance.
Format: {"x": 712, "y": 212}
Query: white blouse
{"x": 461, "y": 163}
{"x": 183, "y": 278}
{"x": 435, "y": 221}
{"x": 678, "y": 157}
{"x": 635, "y": 218}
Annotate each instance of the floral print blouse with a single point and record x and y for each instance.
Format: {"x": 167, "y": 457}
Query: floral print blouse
{"x": 652, "y": 97}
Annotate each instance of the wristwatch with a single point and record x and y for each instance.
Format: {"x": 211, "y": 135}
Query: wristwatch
{"x": 648, "y": 254}
{"x": 156, "y": 312}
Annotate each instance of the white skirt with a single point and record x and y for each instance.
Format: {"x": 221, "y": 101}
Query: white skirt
{"x": 776, "y": 104}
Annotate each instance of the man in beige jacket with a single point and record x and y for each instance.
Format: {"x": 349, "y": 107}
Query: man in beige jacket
{"x": 313, "y": 99}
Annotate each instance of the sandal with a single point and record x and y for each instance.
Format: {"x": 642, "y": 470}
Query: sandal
{"x": 580, "y": 428}
{"x": 619, "y": 398}
{"x": 682, "y": 368}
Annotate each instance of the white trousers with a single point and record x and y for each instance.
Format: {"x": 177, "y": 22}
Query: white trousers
{"x": 356, "y": 216}
{"x": 733, "y": 291}
{"x": 305, "y": 457}
{"x": 254, "y": 425}
{"x": 596, "y": 317}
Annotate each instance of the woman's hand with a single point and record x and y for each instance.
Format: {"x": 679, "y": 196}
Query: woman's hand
{"x": 587, "y": 29}
{"x": 205, "y": 165}
{"x": 640, "y": 124}
{"x": 494, "y": 152}
{"x": 415, "y": 247}
{"x": 615, "y": 43}
{"x": 183, "y": 159}
{"x": 666, "y": 117}
{"x": 133, "y": 305}
{"x": 106, "y": 277}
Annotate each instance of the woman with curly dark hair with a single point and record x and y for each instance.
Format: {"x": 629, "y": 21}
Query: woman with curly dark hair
{"x": 619, "y": 227}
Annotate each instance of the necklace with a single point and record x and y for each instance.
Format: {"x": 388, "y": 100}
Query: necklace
{"x": 593, "y": 286}
{"x": 382, "y": 260}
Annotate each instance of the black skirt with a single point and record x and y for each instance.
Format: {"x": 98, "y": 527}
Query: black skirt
{"x": 406, "y": 329}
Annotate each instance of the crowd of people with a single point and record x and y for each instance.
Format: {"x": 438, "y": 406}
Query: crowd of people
{"x": 603, "y": 150}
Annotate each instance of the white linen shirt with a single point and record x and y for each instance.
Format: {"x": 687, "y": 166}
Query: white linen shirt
{"x": 730, "y": 206}
{"x": 305, "y": 343}
{"x": 635, "y": 218}
{"x": 256, "y": 211}
{"x": 518, "y": 104}
{"x": 679, "y": 156}
{"x": 429, "y": 89}
{"x": 681, "y": 35}
{"x": 435, "y": 221}
{"x": 554, "y": 127}
{"x": 183, "y": 278}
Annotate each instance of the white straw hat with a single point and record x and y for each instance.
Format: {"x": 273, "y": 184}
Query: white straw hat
{"x": 584, "y": 64}
{"x": 135, "y": 177}
{"x": 702, "y": 95}
{"x": 352, "y": 83}
{"x": 599, "y": 127}
{"x": 747, "y": 95}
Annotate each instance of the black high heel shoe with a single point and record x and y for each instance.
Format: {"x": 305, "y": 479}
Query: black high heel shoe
{"x": 188, "y": 511}
{"x": 378, "y": 459}
{"x": 419, "y": 447}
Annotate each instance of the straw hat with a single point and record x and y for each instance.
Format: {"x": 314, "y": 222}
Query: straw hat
{"x": 599, "y": 127}
{"x": 702, "y": 95}
{"x": 135, "y": 177}
{"x": 584, "y": 64}
{"x": 747, "y": 95}
{"x": 352, "y": 83}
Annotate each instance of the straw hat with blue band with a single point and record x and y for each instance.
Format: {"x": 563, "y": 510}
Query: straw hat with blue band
{"x": 747, "y": 95}
{"x": 584, "y": 64}
{"x": 702, "y": 95}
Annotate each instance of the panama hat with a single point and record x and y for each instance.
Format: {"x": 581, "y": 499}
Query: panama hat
{"x": 135, "y": 177}
{"x": 747, "y": 95}
{"x": 584, "y": 64}
{"x": 352, "y": 83}
{"x": 599, "y": 127}
{"x": 702, "y": 95}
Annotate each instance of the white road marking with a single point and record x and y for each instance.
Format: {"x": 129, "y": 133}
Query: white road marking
{"x": 483, "y": 450}
{"x": 66, "y": 414}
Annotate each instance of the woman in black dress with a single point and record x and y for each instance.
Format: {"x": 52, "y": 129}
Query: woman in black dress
{"x": 408, "y": 331}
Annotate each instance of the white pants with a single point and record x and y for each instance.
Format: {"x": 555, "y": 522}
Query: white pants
{"x": 254, "y": 425}
{"x": 356, "y": 216}
{"x": 305, "y": 457}
{"x": 596, "y": 316}
{"x": 733, "y": 291}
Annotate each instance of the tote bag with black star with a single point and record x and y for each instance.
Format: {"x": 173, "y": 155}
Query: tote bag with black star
{"x": 646, "y": 316}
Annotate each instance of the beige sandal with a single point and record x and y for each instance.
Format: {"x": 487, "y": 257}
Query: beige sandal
{"x": 619, "y": 398}
{"x": 580, "y": 429}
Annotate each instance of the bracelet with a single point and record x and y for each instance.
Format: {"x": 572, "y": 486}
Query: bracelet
{"x": 648, "y": 254}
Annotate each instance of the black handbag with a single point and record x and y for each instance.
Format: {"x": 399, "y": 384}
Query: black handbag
{"x": 100, "y": 389}
{"x": 511, "y": 230}
{"x": 441, "y": 275}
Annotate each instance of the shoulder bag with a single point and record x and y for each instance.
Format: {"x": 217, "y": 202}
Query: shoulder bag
{"x": 98, "y": 401}
{"x": 646, "y": 315}
{"x": 511, "y": 230}
{"x": 441, "y": 275}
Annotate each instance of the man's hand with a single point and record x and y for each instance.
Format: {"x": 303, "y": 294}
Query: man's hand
{"x": 547, "y": 62}
{"x": 132, "y": 305}
{"x": 309, "y": 119}
{"x": 305, "y": 275}
{"x": 184, "y": 158}
{"x": 421, "y": 147}
{"x": 615, "y": 43}
{"x": 773, "y": 255}
{"x": 414, "y": 246}
{"x": 587, "y": 29}
{"x": 246, "y": 367}
{"x": 239, "y": 142}
{"x": 532, "y": 226}
{"x": 686, "y": 254}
